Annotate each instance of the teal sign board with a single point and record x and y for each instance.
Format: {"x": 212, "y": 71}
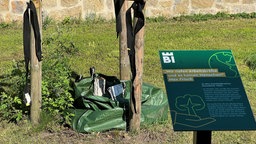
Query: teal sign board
{"x": 205, "y": 91}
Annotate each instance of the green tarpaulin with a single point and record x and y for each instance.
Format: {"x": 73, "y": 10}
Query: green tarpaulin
{"x": 101, "y": 113}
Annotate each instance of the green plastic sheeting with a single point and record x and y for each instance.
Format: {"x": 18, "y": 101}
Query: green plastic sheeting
{"x": 101, "y": 113}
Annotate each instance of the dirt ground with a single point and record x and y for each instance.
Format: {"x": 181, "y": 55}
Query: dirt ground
{"x": 144, "y": 136}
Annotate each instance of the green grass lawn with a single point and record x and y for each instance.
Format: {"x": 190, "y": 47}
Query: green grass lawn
{"x": 98, "y": 46}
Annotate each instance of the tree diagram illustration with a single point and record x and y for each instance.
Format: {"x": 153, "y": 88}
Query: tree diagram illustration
{"x": 187, "y": 109}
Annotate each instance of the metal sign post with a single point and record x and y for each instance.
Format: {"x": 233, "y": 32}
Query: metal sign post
{"x": 202, "y": 137}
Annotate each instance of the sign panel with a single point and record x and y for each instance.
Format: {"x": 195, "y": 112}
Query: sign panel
{"x": 205, "y": 91}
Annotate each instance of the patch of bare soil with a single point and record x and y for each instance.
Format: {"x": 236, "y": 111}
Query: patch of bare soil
{"x": 69, "y": 136}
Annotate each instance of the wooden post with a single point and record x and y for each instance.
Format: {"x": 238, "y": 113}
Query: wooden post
{"x": 36, "y": 72}
{"x": 124, "y": 57}
{"x": 135, "y": 102}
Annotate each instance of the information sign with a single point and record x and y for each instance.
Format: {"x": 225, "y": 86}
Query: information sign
{"x": 205, "y": 91}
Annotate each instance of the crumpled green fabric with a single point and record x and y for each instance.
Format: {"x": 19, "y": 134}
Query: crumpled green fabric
{"x": 101, "y": 113}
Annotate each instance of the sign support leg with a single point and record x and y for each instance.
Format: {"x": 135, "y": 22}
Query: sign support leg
{"x": 202, "y": 137}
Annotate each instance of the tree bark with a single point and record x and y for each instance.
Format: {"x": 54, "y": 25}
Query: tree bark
{"x": 124, "y": 57}
{"x": 135, "y": 102}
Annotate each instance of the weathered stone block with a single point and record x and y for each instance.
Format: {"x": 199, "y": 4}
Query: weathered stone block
{"x": 181, "y": 7}
{"x": 165, "y": 4}
{"x": 166, "y": 13}
{"x": 110, "y": 5}
{"x": 15, "y": 18}
{"x": 4, "y": 5}
{"x": 93, "y": 5}
{"x": 248, "y": 1}
{"x": 152, "y": 3}
{"x": 205, "y": 11}
{"x": 231, "y": 1}
{"x": 1, "y": 18}
{"x": 49, "y": 3}
{"x": 17, "y": 7}
{"x": 221, "y": 8}
{"x": 202, "y": 3}
{"x": 107, "y": 15}
{"x": 68, "y": 3}
{"x": 157, "y": 12}
{"x": 242, "y": 8}
{"x": 8, "y": 18}
{"x": 67, "y": 12}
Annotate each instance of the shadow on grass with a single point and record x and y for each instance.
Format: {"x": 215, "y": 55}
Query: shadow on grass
{"x": 14, "y": 77}
{"x": 250, "y": 61}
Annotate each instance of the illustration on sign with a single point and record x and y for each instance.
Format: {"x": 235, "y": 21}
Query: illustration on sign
{"x": 189, "y": 105}
{"x": 205, "y": 91}
{"x": 225, "y": 62}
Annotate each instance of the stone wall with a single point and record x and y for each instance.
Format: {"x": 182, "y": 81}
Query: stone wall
{"x": 12, "y": 10}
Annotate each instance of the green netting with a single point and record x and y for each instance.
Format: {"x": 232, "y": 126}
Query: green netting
{"x": 101, "y": 113}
